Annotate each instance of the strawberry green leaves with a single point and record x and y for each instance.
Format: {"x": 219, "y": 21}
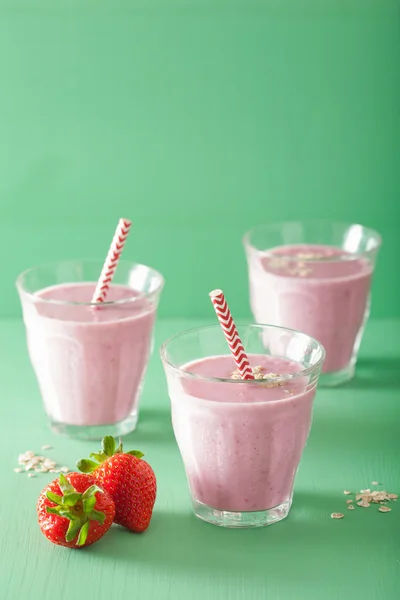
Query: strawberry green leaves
{"x": 83, "y": 534}
{"x": 78, "y": 508}
{"x": 54, "y": 497}
{"x": 108, "y": 445}
{"x": 65, "y": 485}
{"x": 136, "y": 453}
{"x": 73, "y": 530}
{"x": 87, "y": 466}
{"x": 108, "y": 448}
{"x": 89, "y": 494}
{"x": 70, "y": 499}
{"x": 98, "y": 456}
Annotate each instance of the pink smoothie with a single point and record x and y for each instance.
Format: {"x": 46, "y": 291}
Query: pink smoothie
{"x": 89, "y": 362}
{"x": 319, "y": 290}
{"x": 241, "y": 443}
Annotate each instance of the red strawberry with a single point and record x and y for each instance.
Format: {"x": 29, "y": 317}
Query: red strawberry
{"x": 73, "y": 511}
{"x": 129, "y": 480}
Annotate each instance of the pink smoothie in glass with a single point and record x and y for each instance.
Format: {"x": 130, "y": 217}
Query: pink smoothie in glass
{"x": 89, "y": 361}
{"x": 320, "y": 290}
{"x": 241, "y": 443}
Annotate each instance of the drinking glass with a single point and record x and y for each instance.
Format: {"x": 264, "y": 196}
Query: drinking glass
{"x": 315, "y": 277}
{"x": 89, "y": 360}
{"x": 241, "y": 441}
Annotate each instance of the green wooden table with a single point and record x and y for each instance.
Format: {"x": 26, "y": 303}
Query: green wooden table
{"x": 355, "y": 440}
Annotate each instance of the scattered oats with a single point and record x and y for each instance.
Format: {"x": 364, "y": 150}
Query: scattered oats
{"x": 347, "y": 492}
{"x": 256, "y": 372}
{"x": 337, "y": 515}
{"x": 311, "y": 255}
{"x": 47, "y": 447}
{"x": 350, "y": 507}
{"x": 53, "y": 471}
{"x": 31, "y": 475}
{"x": 18, "y": 470}
{"x": 277, "y": 263}
{"x": 271, "y": 378}
{"x": 349, "y": 501}
{"x": 375, "y": 483}
{"x": 39, "y": 464}
{"x": 300, "y": 272}
{"x": 64, "y": 470}
{"x": 26, "y": 456}
{"x": 379, "y": 496}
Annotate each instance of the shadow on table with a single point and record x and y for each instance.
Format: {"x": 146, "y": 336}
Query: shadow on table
{"x": 357, "y": 433}
{"x": 154, "y": 427}
{"x": 179, "y": 542}
{"x": 375, "y": 373}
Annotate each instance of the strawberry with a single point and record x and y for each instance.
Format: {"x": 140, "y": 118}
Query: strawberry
{"x": 74, "y": 512}
{"x": 129, "y": 480}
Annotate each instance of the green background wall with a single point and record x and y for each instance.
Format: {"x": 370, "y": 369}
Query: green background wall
{"x": 197, "y": 120}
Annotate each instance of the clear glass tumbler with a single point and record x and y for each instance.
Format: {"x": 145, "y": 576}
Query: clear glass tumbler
{"x": 241, "y": 441}
{"x": 315, "y": 277}
{"x": 89, "y": 360}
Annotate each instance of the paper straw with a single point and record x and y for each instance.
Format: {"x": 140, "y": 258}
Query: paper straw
{"x": 111, "y": 262}
{"x": 231, "y": 334}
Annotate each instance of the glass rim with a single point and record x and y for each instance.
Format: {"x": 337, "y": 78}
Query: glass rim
{"x": 282, "y": 378}
{"x": 19, "y": 282}
{"x": 311, "y": 222}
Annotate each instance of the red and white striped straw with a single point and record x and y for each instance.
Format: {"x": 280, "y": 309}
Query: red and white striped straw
{"x": 231, "y": 334}
{"x": 111, "y": 262}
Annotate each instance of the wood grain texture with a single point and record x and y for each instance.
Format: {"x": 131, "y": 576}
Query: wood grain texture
{"x": 354, "y": 441}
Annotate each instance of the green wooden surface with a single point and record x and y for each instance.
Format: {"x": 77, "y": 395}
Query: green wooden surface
{"x": 198, "y": 119}
{"x": 354, "y": 441}
{"x": 177, "y": 114}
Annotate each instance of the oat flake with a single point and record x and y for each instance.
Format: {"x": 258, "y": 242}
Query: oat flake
{"x": 384, "y": 509}
{"x": 337, "y": 515}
